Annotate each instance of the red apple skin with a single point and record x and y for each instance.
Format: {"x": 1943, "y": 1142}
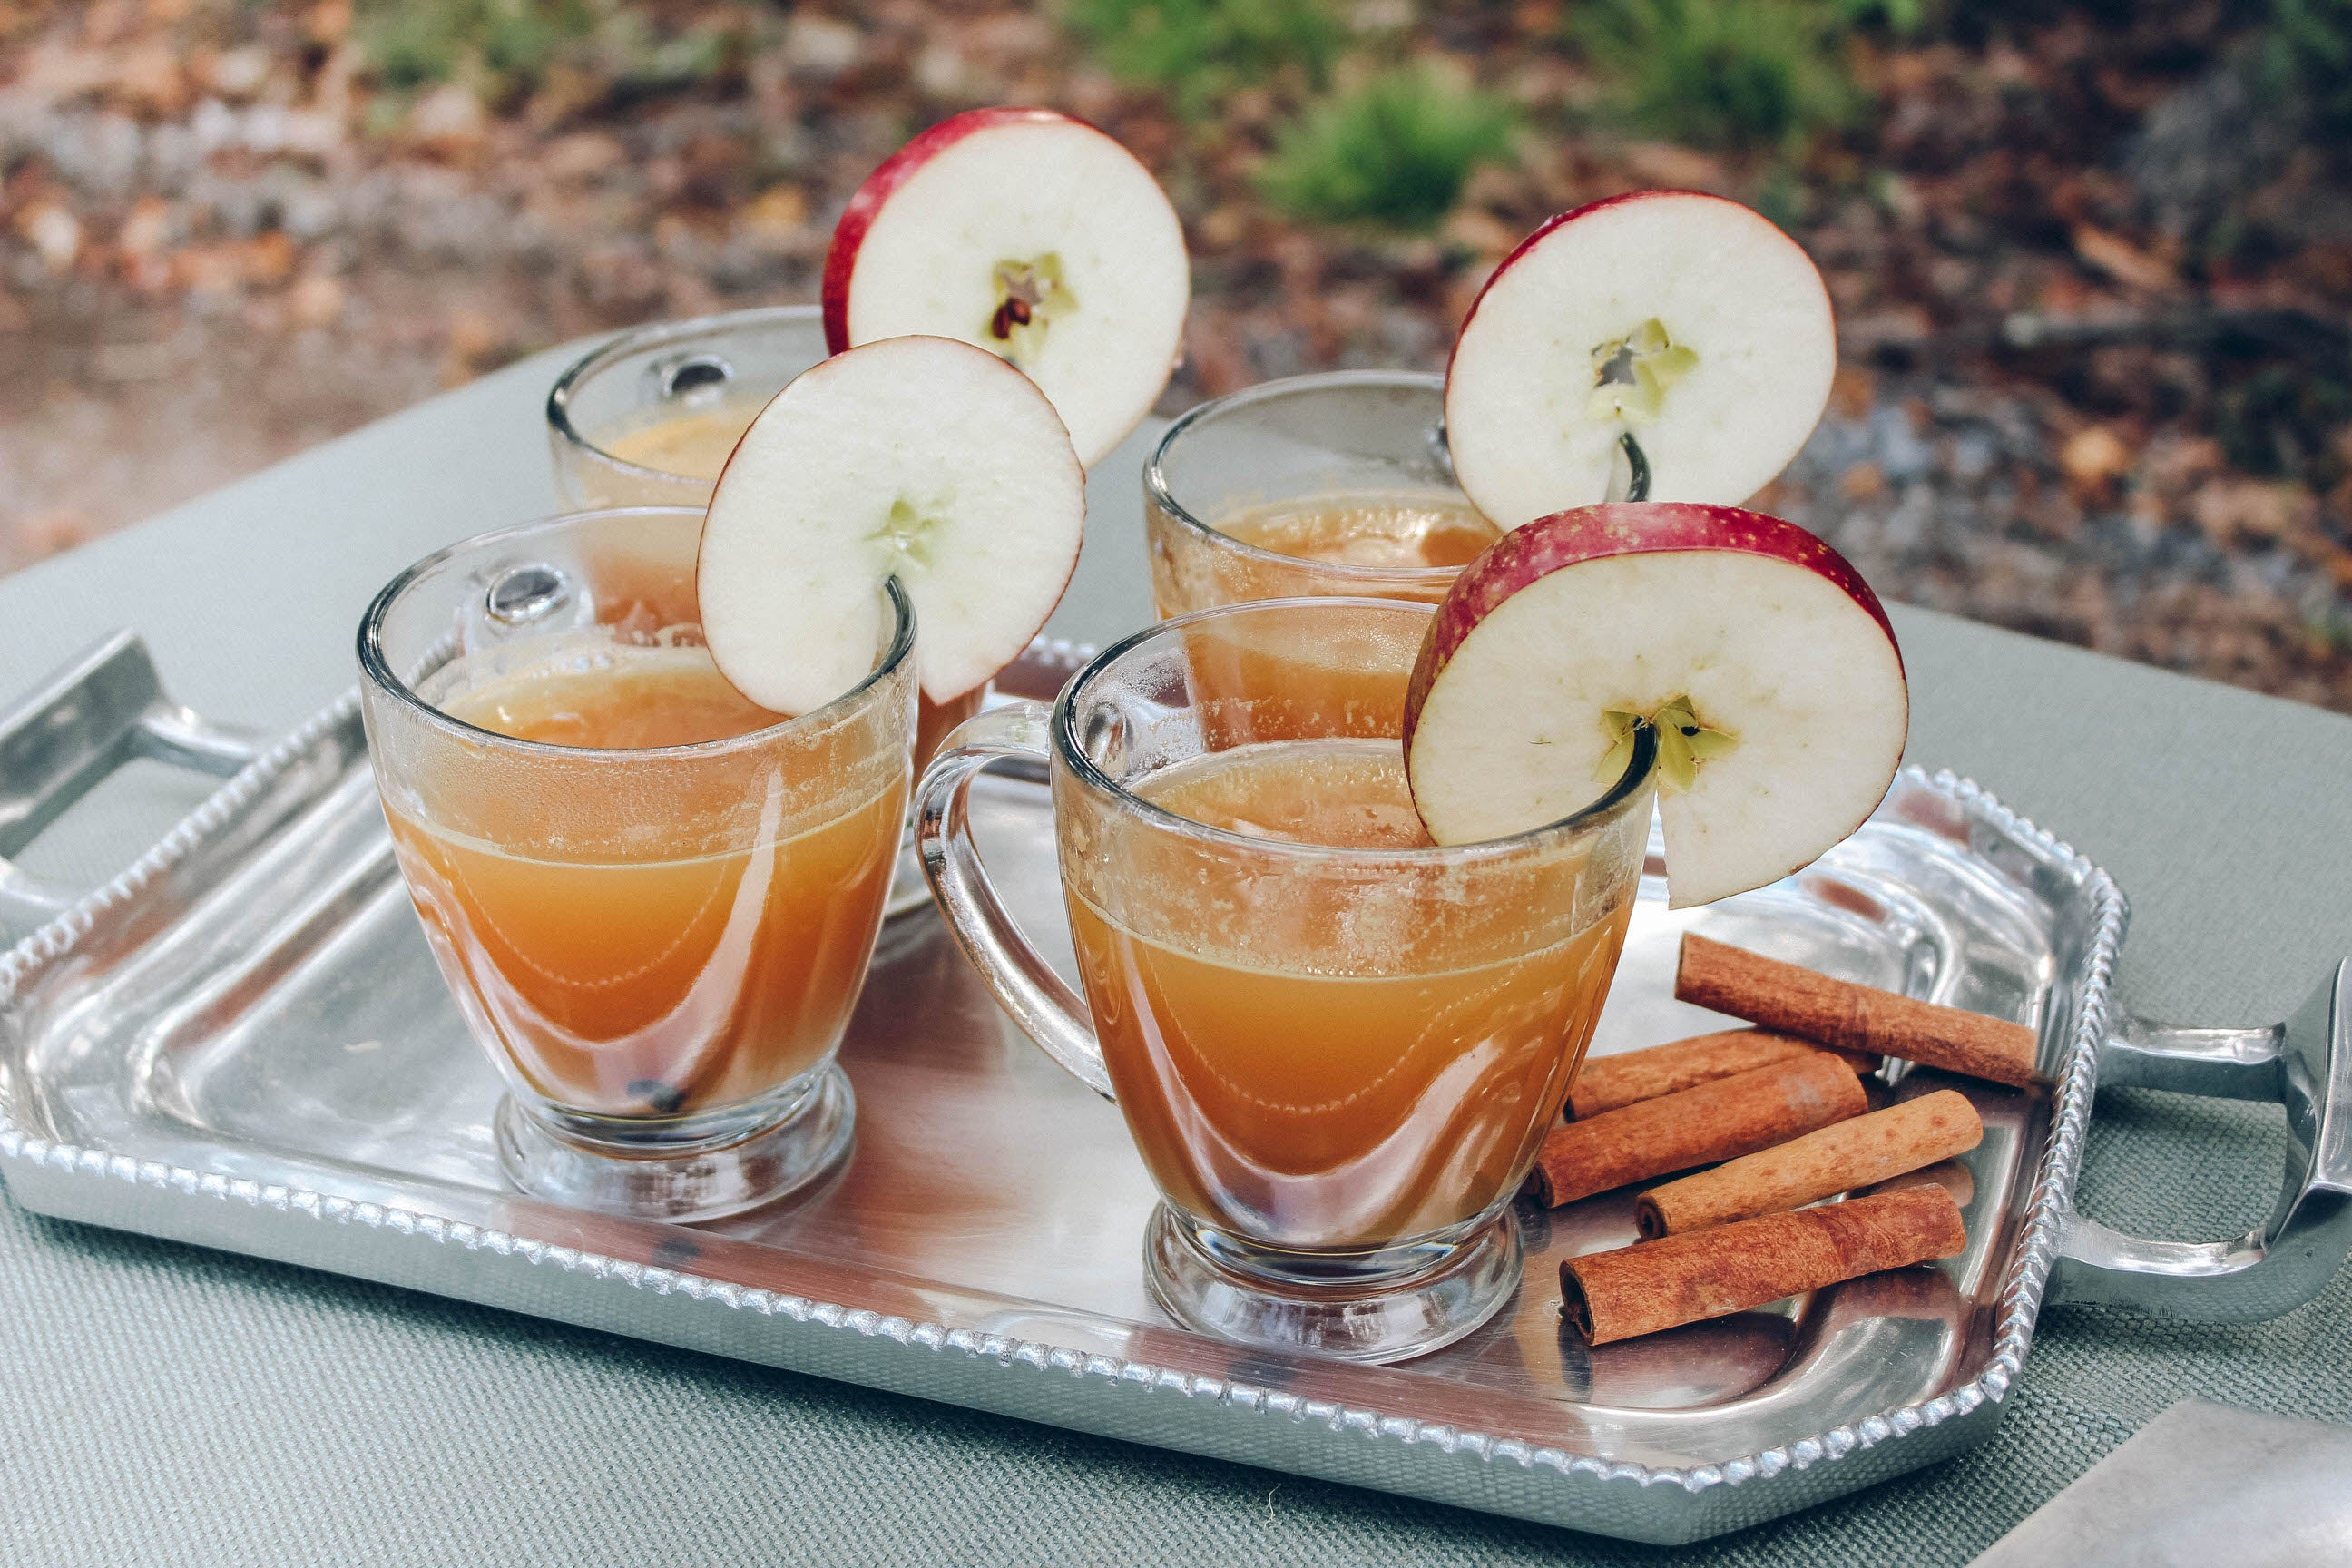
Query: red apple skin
{"x": 1534, "y": 551}
{"x": 866, "y": 204}
{"x": 1558, "y": 220}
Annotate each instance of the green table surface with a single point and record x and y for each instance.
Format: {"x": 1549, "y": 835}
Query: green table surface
{"x": 162, "y": 1403}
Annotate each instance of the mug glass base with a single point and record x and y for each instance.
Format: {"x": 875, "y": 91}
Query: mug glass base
{"x": 1379, "y": 1308}
{"x": 702, "y": 1179}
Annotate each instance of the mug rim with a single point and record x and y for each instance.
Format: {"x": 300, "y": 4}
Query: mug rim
{"x": 377, "y": 671}
{"x": 1611, "y": 804}
{"x": 653, "y": 335}
{"x": 1160, "y": 493}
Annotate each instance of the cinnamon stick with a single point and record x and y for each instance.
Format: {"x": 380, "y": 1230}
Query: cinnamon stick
{"x": 1836, "y": 1159}
{"x": 1607, "y": 1083}
{"x": 1716, "y": 1121}
{"x": 1654, "y": 1285}
{"x": 1948, "y": 1174}
{"x": 1799, "y": 1001}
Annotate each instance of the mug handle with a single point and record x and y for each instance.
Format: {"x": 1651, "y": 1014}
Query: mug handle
{"x": 1040, "y": 1000}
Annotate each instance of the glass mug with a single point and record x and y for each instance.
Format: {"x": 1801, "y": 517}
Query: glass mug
{"x": 659, "y": 945}
{"x": 1337, "y": 1062}
{"x": 1337, "y": 484}
{"x": 649, "y": 418}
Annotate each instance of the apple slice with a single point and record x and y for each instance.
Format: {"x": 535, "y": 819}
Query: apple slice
{"x": 918, "y": 457}
{"x": 1760, "y": 657}
{"x": 1030, "y": 234}
{"x": 1685, "y": 321}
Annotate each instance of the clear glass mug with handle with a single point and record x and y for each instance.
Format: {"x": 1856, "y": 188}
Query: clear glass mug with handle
{"x": 1336, "y": 1046}
{"x": 658, "y": 945}
{"x": 649, "y": 419}
{"x": 1336, "y": 483}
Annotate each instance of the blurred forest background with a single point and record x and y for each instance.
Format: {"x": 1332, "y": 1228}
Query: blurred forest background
{"x": 2092, "y": 258}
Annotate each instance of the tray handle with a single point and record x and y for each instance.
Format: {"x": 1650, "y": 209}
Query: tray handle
{"x": 90, "y": 717}
{"x": 2305, "y": 1064}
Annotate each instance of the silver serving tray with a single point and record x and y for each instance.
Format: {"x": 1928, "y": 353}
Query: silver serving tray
{"x": 243, "y": 1042}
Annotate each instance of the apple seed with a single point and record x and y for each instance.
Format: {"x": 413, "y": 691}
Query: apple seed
{"x": 1029, "y": 295}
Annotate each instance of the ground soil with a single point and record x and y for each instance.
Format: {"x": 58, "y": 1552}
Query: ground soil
{"x": 2094, "y": 289}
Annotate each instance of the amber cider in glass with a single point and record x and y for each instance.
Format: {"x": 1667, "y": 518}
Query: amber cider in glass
{"x": 1374, "y": 527}
{"x": 1392, "y": 543}
{"x": 631, "y": 961}
{"x": 1364, "y": 1064}
{"x": 694, "y": 444}
{"x": 1336, "y": 1045}
{"x": 654, "y": 900}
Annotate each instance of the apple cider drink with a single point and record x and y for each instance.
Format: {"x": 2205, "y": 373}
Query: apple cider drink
{"x": 1361, "y": 1060}
{"x": 691, "y": 442}
{"x": 695, "y": 443}
{"x": 1337, "y": 1044}
{"x": 1316, "y": 486}
{"x": 651, "y": 419}
{"x": 1402, "y": 531}
{"x": 637, "y": 964}
{"x": 654, "y": 900}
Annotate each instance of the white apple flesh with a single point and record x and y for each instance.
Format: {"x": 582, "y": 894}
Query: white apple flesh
{"x": 1762, "y": 661}
{"x": 915, "y": 457}
{"x": 1687, "y": 320}
{"x": 1034, "y": 237}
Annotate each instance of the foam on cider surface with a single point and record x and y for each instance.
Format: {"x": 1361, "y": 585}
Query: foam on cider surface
{"x": 695, "y": 443}
{"x": 1403, "y": 528}
{"x": 1394, "y": 912}
{"x": 1348, "y": 794}
{"x": 605, "y": 697}
{"x": 623, "y": 698}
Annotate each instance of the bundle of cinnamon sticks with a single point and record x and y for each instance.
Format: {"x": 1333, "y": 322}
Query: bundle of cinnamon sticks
{"x": 1780, "y": 1114}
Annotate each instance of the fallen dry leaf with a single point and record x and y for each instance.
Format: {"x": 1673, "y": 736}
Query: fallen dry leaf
{"x": 2230, "y": 511}
{"x": 583, "y": 155}
{"x": 238, "y": 74}
{"x": 51, "y": 531}
{"x": 211, "y": 271}
{"x": 2174, "y": 465}
{"x": 2092, "y": 460}
{"x": 148, "y": 79}
{"x": 448, "y": 122}
{"x": 779, "y": 211}
{"x": 2124, "y": 261}
{"x": 145, "y": 228}
{"x": 1866, "y": 481}
{"x": 1854, "y": 391}
{"x": 1482, "y": 233}
{"x": 1663, "y": 163}
{"x": 1897, "y": 327}
{"x": 1223, "y": 228}
{"x": 53, "y": 232}
{"x": 315, "y": 300}
{"x": 267, "y": 259}
{"x": 328, "y": 21}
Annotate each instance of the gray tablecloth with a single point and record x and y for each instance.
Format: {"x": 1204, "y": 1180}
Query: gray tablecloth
{"x": 160, "y": 1403}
